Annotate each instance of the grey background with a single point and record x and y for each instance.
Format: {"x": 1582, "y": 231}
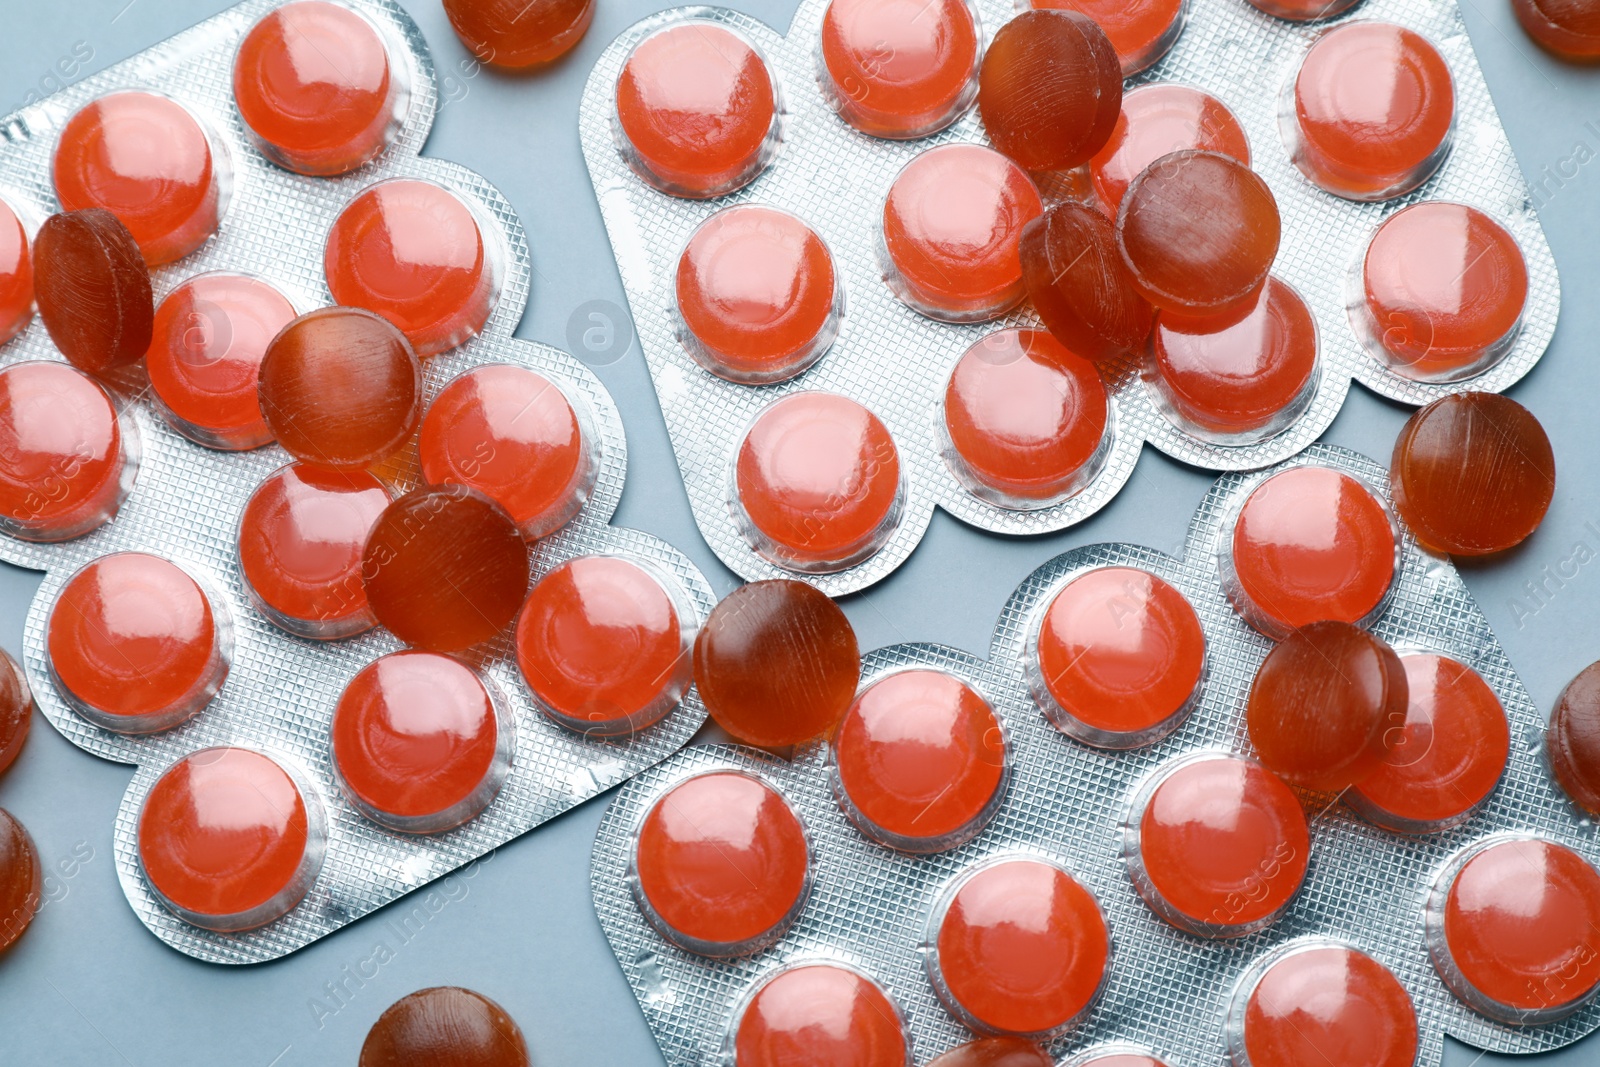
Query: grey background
{"x": 89, "y": 985}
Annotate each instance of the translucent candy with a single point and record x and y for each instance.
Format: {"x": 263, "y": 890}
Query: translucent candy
{"x": 93, "y": 290}
{"x": 1572, "y": 742}
{"x": 818, "y": 482}
{"x": 413, "y": 252}
{"x": 229, "y": 840}
{"x": 16, "y": 275}
{"x": 147, "y": 160}
{"x": 1305, "y": 10}
{"x": 16, "y": 712}
{"x": 417, "y": 744}
{"x": 696, "y": 110}
{"x": 1115, "y": 1056}
{"x": 995, "y": 1052}
{"x": 899, "y": 68}
{"x": 819, "y": 1013}
{"x": 341, "y": 388}
{"x": 1566, "y": 28}
{"x": 1079, "y": 285}
{"x": 951, "y": 228}
{"x": 1142, "y": 31}
{"x": 1026, "y": 420}
{"x": 1472, "y": 474}
{"x": 21, "y": 880}
{"x": 445, "y": 568}
{"x": 1049, "y": 89}
{"x": 1449, "y": 756}
{"x": 1217, "y": 845}
{"x": 777, "y": 663}
{"x": 1373, "y": 109}
{"x": 603, "y": 647}
{"x": 518, "y": 34}
{"x": 1328, "y": 706}
{"x": 210, "y": 335}
{"x": 1199, "y": 232}
{"x": 316, "y": 88}
{"x": 1019, "y": 947}
{"x": 757, "y": 295}
{"x": 447, "y": 1026}
{"x": 722, "y": 864}
{"x": 1321, "y": 1002}
{"x": 514, "y": 436}
{"x": 1155, "y": 120}
{"x": 920, "y": 761}
{"x": 65, "y": 465}
{"x": 135, "y": 644}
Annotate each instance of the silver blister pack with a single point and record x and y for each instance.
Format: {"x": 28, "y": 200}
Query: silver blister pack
{"x": 1167, "y": 991}
{"x": 895, "y": 362}
{"x": 185, "y": 505}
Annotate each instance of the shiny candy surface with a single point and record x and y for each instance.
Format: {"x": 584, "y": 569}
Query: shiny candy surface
{"x": 21, "y": 880}
{"x": 777, "y": 663}
{"x": 722, "y": 863}
{"x": 1155, "y": 120}
{"x": 445, "y": 1027}
{"x": 518, "y": 34}
{"x": 820, "y": 1013}
{"x": 1445, "y": 287}
{"x": 133, "y": 640}
{"x": 1450, "y": 754}
{"x": 414, "y": 738}
{"x": 818, "y": 478}
{"x": 1023, "y": 948}
{"x": 1049, "y": 89}
{"x": 995, "y": 1052}
{"x": 1328, "y": 1003}
{"x": 225, "y": 833}
{"x": 1304, "y": 10}
{"x": 921, "y": 758}
{"x": 1567, "y": 28}
{"x": 601, "y": 645}
{"x": 445, "y": 568}
{"x": 93, "y": 289}
{"x": 16, "y": 275}
{"x": 210, "y": 336}
{"x": 1311, "y": 543}
{"x": 696, "y": 108}
{"x": 1572, "y": 742}
{"x": 1142, "y": 31}
{"x": 899, "y": 68}
{"x": 1026, "y": 418}
{"x": 1374, "y": 105}
{"x": 1199, "y": 232}
{"x": 1222, "y": 846}
{"x": 144, "y": 158}
{"x": 1473, "y": 473}
{"x": 341, "y": 388}
{"x": 301, "y": 535}
{"x": 16, "y": 712}
{"x": 1120, "y": 656}
{"x": 513, "y": 435}
{"x": 314, "y": 85}
{"x": 1328, "y": 706}
{"x": 62, "y": 454}
{"x": 412, "y": 251}
{"x": 1079, "y": 285}
{"x": 951, "y": 228}
{"x": 757, "y": 293}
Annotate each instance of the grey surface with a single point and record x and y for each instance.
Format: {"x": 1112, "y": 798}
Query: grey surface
{"x": 89, "y": 985}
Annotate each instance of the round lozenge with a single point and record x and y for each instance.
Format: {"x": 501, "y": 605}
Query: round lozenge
{"x": 445, "y": 1026}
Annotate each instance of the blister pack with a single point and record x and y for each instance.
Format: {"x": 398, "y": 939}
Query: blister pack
{"x": 1073, "y": 841}
{"x": 796, "y": 280}
{"x": 297, "y": 767}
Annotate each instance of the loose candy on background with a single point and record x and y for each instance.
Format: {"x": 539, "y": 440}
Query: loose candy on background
{"x": 519, "y": 34}
{"x": 1141, "y": 31}
{"x": 1079, "y": 285}
{"x": 1472, "y": 474}
{"x": 447, "y": 1026}
{"x": 1569, "y": 29}
{"x": 1572, "y": 741}
{"x": 1371, "y": 111}
{"x": 445, "y": 568}
{"x": 899, "y": 68}
{"x": 1049, "y": 89}
{"x": 818, "y": 1012}
{"x": 307, "y": 111}
{"x": 93, "y": 289}
{"x": 209, "y": 337}
{"x": 21, "y": 880}
{"x": 16, "y": 711}
{"x": 16, "y": 274}
{"x": 1328, "y": 706}
{"x": 1156, "y": 119}
{"x": 995, "y": 1052}
{"x": 147, "y": 159}
{"x": 341, "y": 387}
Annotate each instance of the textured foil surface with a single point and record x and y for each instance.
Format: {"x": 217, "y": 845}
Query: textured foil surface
{"x": 896, "y": 362}
{"x": 1166, "y": 990}
{"x": 281, "y": 690}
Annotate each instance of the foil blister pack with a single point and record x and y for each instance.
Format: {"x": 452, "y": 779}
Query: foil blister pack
{"x": 895, "y": 362}
{"x": 1175, "y": 994}
{"x": 278, "y": 692}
